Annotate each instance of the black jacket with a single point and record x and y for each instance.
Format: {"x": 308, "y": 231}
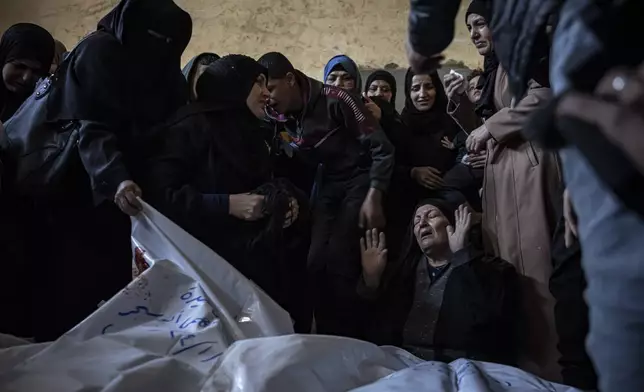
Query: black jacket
{"x": 335, "y": 129}
{"x": 202, "y": 157}
{"x": 477, "y": 313}
{"x": 193, "y": 171}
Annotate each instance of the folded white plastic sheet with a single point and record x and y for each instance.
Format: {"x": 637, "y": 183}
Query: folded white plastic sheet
{"x": 164, "y": 331}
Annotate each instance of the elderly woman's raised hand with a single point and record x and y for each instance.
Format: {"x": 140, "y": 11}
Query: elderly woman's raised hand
{"x": 459, "y": 233}
{"x": 373, "y": 250}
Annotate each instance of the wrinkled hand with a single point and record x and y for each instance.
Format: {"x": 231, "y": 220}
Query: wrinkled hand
{"x": 371, "y": 213}
{"x": 477, "y": 140}
{"x": 246, "y": 207}
{"x": 445, "y": 142}
{"x": 372, "y": 107}
{"x": 373, "y": 250}
{"x": 477, "y": 161}
{"x": 570, "y": 220}
{"x": 292, "y": 214}
{"x": 463, "y": 223}
{"x": 126, "y": 198}
{"x": 420, "y": 63}
{"x": 427, "y": 177}
{"x": 454, "y": 86}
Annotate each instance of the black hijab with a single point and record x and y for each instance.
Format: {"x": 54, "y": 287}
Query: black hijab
{"x": 485, "y": 106}
{"x": 127, "y": 73}
{"x": 431, "y": 120}
{"x": 23, "y": 41}
{"x": 223, "y": 89}
{"x": 383, "y": 75}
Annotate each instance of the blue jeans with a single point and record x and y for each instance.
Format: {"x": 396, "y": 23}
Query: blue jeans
{"x": 612, "y": 239}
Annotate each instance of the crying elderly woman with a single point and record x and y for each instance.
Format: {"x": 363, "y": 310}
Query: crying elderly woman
{"x": 441, "y": 300}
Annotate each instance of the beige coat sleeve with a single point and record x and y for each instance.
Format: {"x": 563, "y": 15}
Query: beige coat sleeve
{"x": 463, "y": 113}
{"x": 507, "y": 123}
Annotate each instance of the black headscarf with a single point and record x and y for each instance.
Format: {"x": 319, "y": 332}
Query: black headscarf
{"x": 433, "y": 119}
{"x": 228, "y": 81}
{"x": 383, "y": 75}
{"x": 485, "y": 106}
{"x": 223, "y": 89}
{"x": 23, "y": 41}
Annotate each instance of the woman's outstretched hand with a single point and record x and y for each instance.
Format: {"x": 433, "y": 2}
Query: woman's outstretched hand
{"x": 373, "y": 250}
{"x": 460, "y": 231}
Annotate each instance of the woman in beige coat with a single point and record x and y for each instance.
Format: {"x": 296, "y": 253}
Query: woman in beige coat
{"x": 521, "y": 188}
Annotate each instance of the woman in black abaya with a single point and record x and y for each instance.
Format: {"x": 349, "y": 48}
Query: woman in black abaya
{"x": 26, "y": 52}
{"x": 212, "y": 176}
{"x": 422, "y": 157}
{"x": 80, "y": 241}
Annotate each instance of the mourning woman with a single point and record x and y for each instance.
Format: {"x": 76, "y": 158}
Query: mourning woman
{"x": 380, "y": 96}
{"x": 26, "y": 53}
{"x": 440, "y": 300}
{"x": 522, "y": 187}
{"x": 212, "y": 176}
{"x": 195, "y": 68}
{"x": 341, "y": 71}
{"x": 80, "y": 250}
{"x": 422, "y": 158}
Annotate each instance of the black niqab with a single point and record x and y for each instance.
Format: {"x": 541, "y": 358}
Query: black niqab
{"x": 23, "y": 41}
{"x": 129, "y": 69}
{"x": 432, "y": 120}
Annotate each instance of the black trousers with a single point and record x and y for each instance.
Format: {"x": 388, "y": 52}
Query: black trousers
{"x": 334, "y": 257}
{"x": 567, "y": 285}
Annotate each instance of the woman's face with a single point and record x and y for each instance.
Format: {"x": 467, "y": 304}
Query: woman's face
{"x": 473, "y": 93}
{"x": 258, "y": 97}
{"x": 430, "y": 228}
{"x": 480, "y": 33}
{"x": 341, "y": 79}
{"x": 20, "y": 76}
{"x": 423, "y": 92}
{"x": 380, "y": 89}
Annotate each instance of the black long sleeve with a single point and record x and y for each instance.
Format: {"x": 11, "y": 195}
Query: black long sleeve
{"x": 431, "y": 25}
{"x": 170, "y": 177}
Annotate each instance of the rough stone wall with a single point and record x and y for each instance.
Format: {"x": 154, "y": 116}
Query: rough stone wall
{"x": 309, "y": 32}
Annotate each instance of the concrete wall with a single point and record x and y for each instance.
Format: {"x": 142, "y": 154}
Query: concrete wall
{"x": 309, "y": 32}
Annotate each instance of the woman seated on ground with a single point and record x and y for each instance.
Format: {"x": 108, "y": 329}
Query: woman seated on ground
{"x": 440, "y": 301}
{"x": 212, "y": 176}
